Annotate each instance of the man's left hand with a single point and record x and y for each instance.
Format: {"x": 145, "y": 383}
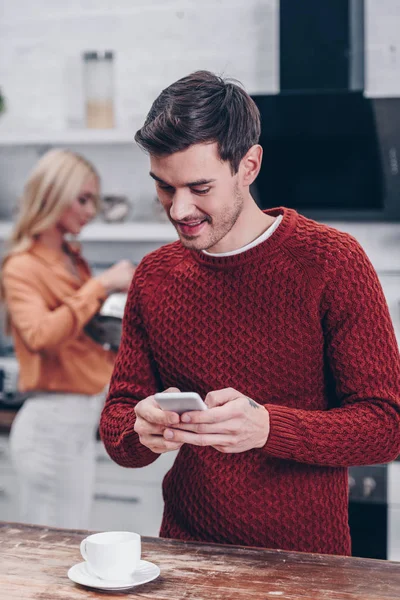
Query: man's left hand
{"x": 233, "y": 423}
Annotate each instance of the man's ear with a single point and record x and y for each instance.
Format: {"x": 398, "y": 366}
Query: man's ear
{"x": 250, "y": 165}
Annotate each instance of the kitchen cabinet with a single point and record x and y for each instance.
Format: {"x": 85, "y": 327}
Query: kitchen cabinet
{"x": 394, "y": 511}
{"x": 129, "y": 498}
{"x": 123, "y": 499}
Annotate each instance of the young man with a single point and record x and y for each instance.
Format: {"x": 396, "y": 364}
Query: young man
{"x": 278, "y": 322}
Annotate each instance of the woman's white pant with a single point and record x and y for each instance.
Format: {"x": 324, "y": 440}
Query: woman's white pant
{"x": 52, "y": 446}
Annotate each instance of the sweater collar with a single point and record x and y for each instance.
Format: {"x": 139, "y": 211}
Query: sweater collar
{"x": 262, "y": 250}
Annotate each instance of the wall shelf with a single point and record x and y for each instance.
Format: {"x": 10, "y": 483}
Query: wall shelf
{"x": 130, "y": 231}
{"x": 28, "y": 137}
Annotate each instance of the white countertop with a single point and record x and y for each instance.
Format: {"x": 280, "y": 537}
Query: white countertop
{"x": 130, "y": 231}
{"x": 381, "y": 241}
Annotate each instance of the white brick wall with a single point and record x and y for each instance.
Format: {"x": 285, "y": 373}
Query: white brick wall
{"x": 156, "y": 42}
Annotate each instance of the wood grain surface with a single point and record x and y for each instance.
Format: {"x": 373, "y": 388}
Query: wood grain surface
{"x": 34, "y": 562}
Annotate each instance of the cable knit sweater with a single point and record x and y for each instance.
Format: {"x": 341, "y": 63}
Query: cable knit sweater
{"x": 299, "y": 323}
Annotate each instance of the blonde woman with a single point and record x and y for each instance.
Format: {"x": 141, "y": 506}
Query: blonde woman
{"x": 50, "y": 297}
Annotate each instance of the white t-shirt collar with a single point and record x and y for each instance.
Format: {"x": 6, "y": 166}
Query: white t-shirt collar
{"x": 261, "y": 238}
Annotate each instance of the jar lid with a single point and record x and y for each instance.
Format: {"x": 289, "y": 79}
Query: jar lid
{"x": 98, "y": 55}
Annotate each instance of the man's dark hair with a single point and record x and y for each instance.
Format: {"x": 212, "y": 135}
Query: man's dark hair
{"x": 202, "y": 108}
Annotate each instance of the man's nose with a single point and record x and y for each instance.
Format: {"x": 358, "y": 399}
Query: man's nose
{"x": 181, "y": 205}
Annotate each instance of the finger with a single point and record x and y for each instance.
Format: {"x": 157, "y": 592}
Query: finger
{"x": 220, "y": 397}
{"x": 197, "y": 439}
{"x": 143, "y": 427}
{"x": 153, "y": 414}
{"x": 230, "y": 427}
{"x": 218, "y": 414}
{"x": 171, "y": 417}
{"x": 157, "y": 444}
{"x": 166, "y": 447}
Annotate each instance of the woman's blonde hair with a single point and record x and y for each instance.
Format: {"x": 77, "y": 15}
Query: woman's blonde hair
{"x": 53, "y": 184}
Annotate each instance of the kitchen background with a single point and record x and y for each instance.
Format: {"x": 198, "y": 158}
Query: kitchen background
{"x": 154, "y": 43}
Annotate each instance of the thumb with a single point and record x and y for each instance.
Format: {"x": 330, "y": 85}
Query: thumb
{"x": 171, "y": 389}
{"x": 220, "y": 397}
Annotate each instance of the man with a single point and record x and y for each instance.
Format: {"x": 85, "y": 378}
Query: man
{"x": 278, "y": 322}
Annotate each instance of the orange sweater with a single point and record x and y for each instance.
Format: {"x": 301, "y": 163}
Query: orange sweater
{"x": 49, "y": 308}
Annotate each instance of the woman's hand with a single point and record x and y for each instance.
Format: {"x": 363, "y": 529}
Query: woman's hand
{"x": 118, "y": 277}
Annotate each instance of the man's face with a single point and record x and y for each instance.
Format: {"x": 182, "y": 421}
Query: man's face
{"x": 199, "y": 193}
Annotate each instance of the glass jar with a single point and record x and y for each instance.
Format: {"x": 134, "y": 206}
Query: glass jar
{"x": 99, "y": 89}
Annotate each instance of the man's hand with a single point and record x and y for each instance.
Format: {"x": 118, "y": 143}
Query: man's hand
{"x": 151, "y": 422}
{"x": 233, "y": 423}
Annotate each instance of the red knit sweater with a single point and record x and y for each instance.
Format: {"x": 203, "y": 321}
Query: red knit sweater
{"x": 299, "y": 323}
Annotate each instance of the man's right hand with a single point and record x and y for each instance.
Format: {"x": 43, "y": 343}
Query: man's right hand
{"x": 151, "y": 421}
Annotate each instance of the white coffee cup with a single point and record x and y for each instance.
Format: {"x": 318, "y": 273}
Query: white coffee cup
{"x": 112, "y": 555}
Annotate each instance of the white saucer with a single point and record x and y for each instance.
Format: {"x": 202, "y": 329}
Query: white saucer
{"x": 145, "y": 572}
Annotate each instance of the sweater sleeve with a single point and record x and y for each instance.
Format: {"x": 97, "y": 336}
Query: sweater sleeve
{"x": 40, "y": 327}
{"x": 363, "y": 358}
{"x": 118, "y": 416}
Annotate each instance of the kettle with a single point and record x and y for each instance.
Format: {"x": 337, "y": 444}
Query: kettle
{"x": 105, "y": 327}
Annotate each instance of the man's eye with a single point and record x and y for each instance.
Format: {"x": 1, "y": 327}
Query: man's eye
{"x": 201, "y": 191}
{"x": 167, "y": 188}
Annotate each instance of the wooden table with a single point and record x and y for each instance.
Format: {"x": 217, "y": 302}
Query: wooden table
{"x": 34, "y": 562}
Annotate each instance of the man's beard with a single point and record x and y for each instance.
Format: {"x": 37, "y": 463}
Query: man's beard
{"x": 221, "y": 229}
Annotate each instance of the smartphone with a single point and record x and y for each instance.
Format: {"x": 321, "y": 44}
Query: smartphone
{"x": 180, "y": 402}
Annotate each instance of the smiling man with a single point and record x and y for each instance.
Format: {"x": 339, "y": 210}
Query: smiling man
{"x": 278, "y": 322}
{"x": 213, "y": 213}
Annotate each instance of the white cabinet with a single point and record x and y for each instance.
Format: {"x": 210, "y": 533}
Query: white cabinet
{"x": 393, "y": 551}
{"x": 119, "y": 506}
{"x": 129, "y": 498}
{"x": 393, "y": 544}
